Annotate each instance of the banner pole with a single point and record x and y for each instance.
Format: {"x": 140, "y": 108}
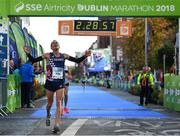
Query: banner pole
{"x": 146, "y": 55}
{"x": 179, "y": 49}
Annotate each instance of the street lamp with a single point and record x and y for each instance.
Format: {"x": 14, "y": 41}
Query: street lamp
{"x": 146, "y": 53}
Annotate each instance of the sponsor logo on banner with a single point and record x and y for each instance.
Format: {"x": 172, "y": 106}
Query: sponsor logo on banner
{"x": 20, "y": 6}
{"x": 88, "y": 7}
{"x": 124, "y": 30}
{"x": 65, "y": 29}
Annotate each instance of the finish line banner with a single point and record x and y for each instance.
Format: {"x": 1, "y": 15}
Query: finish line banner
{"x": 90, "y": 7}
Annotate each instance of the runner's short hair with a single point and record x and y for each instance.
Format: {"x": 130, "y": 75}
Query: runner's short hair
{"x": 55, "y": 42}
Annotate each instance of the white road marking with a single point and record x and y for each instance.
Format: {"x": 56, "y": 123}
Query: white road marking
{"x": 74, "y": 127}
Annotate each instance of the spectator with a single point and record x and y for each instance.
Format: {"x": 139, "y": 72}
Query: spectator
{"x": 145, "y": 80}
{"x": 27, "y": 77}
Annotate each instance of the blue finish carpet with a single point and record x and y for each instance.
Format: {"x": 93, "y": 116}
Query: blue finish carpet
{"x": 94, "y": 102}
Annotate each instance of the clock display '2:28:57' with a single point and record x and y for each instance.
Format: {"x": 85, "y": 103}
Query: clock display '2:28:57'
{"x": 94, "y": 25}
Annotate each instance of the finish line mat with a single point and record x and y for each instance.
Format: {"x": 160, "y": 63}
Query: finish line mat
{"x": 96, "y": 103}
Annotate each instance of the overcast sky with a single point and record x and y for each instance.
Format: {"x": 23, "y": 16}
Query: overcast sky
{"x": 45, "y": 29}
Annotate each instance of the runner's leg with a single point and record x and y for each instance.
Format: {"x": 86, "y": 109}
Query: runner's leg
{"x": 142, "y": 92}
{"x": 66, "y": 99}
{"x": 84, "y": 85}
{"x": 62, "y": 102}
{"x": 59, "y": 95}
{"x": 50, "y": 96}
{"x": 66, "y": 96}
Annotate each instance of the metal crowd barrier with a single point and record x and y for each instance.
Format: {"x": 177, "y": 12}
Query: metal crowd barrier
{"x": 122, "y": 84}
{"x": 10, "y": 94}
{"x": 3, "y": 97}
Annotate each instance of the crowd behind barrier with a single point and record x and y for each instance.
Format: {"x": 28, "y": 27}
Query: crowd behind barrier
{"x": 116, "y": 84}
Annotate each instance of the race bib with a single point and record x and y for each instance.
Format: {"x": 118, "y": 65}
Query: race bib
{"x": 57, "y": 73}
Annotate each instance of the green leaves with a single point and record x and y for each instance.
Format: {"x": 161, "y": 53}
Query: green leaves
{"x": 162, "y": 34}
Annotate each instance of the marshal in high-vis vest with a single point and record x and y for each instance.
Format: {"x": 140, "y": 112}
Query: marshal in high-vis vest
{"x": 146, "y": 81}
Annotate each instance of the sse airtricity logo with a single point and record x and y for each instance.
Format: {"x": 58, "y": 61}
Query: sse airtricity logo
{"x": 28, "y": 7}
{"x": 20, "y": 6}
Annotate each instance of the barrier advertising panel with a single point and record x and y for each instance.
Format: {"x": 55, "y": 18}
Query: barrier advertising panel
{"x": 3, "y": 47}
{"x": 172, "y": 92}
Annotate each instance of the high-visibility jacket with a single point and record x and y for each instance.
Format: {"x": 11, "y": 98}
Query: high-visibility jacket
{"x": 145, "y": 79}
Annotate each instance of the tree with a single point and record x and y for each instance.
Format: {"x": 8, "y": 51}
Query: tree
{"x": 134, "y": 45}
{"x": 168, "y": 50}
{"x": 162, "y": 30}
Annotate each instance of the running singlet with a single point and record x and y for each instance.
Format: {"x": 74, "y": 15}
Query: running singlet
{"x": 55, "y": 68}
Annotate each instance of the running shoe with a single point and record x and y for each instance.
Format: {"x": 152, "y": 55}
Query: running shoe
{"x": 48, "y": 122}
{"x": 66, "y": 110}
{"x": 56, "y": 129}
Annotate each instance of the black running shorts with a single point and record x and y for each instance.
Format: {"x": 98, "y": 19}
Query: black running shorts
{"x": 67, "y": 84}
{"x": 53, "y": 86}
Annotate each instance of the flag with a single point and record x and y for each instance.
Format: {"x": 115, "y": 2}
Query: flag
{"x": 27, "y": 39}
{"x": 19, "y": 38}
{"x": 33, "y": 44}
{"x": 13, "y": 52}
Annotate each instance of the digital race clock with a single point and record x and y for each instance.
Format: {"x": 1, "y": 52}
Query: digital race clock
{"x": 95, "y": 25}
